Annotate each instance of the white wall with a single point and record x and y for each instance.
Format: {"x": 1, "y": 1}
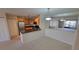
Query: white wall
{"x": 43, "y": 23}
{"x": 61, "y": 35}
{"x": 4, "y": 32}
{"x": 13, "y": 27}
{"x": 76, "y": 41}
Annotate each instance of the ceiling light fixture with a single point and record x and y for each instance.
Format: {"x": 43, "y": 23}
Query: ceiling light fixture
{"x": 62, "y": 20}
{"x": 48, "y": 17}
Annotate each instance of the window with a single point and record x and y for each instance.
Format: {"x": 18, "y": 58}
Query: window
{"x": 70, "y": 24}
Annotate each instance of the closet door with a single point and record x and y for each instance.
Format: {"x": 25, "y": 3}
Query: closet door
{"x": 4, "y": 33}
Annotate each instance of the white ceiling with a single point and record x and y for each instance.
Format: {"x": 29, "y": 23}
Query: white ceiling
{"x": 38, "y": 11}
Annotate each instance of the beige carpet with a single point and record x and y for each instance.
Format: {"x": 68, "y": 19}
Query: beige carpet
{"x": 42, "y": 43}
{"x": 45, "y": 43}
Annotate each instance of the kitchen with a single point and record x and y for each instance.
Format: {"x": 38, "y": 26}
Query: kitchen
{"x": 28, "y": 24}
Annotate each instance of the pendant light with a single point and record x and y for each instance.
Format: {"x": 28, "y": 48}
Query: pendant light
{"x": 48, "y": 18}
